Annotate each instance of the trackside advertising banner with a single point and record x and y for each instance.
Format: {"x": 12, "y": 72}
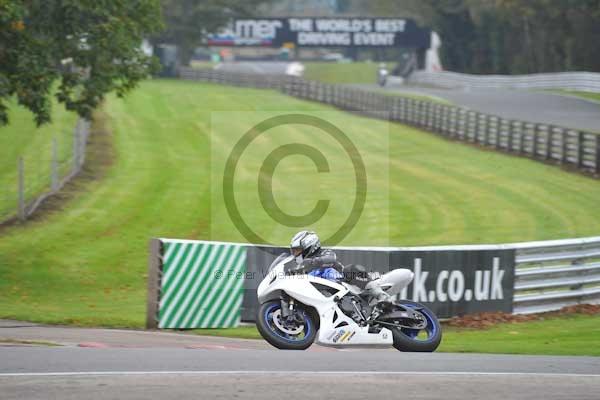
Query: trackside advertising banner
{"x": 450, "y": 282}
{"x": 323, "y": 32}
{"x": 459, "y": 282}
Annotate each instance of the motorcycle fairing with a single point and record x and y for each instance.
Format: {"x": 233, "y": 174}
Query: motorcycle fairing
{"x": 336, "y": 328}
{"x": 339, "y": 330}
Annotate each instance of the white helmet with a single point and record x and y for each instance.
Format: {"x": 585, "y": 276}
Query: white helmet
{"x": 304, "y": 244}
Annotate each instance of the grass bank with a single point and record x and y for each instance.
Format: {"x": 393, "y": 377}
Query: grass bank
{"x": 331, "y": 72}
{"x": 587, "y": 95}
{"x": 583, "y": 95}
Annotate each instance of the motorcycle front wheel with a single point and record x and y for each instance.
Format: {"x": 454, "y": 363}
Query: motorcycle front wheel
{"x": 418, "y": 340}
{"x": 296, "y": 333}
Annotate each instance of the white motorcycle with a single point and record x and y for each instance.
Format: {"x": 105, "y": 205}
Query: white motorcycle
{"x": 382, "y": 76}
{"x": 297, "y": 309}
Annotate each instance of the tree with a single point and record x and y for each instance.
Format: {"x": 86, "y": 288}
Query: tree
{"x": 508, "y": 36}
{"x": 88, "y": 47}
{"x": 189, "y": 21}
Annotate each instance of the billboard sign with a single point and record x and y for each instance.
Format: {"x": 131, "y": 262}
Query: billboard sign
{"x": 324, "y": 32}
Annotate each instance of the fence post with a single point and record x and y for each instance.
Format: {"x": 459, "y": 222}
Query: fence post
{"x": 474, "y": 126}
{"x": 446, "y": 121}
{"x": 536, "y": 140}
{"x": 498, "y": 135}
{"x": 54, "y": 166}
{"x": 154, "y": 271}
{"x": 598, "y": 154}
{"x": 454, "y": 121}
{"x": 565, "y": 150}
{"x": 431, "y": 115}
{"x": 83, "y": 131}
{"x": 486, "y": 130}
{"x": 509, "y": 139}
{"x": 76, "y": 146}
{"x": 500, "y": 132}
{"x": 403, "y": 110}
{"x": 580, "y": 149}
{"x": 521, "y": 140}
{"x": 461, "y": 124}
{"x": 549, "y": 141}
{"x": 437, "y": 118}
{"x": 21, "y": 189}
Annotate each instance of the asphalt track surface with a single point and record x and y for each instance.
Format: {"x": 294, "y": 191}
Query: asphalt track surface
{"x": 525, "y": 105}
{"x": 122, "y": 364}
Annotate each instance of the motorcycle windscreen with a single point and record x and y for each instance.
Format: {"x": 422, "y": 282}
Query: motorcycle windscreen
{"x": 279, "y": 258}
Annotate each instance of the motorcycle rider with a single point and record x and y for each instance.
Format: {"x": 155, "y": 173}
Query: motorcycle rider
{"x": 316, "y": 261}
{"x": 382, "y": 74}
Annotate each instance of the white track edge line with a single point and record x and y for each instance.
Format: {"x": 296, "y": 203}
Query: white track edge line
{"x": 279, "y": 372}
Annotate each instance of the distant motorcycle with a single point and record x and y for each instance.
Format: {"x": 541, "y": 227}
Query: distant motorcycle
{"x": 382, "y": 75}
{"x": 297, "y": 309}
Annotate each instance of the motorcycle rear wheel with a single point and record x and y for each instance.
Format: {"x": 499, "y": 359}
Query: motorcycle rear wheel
{"x": 269, "y": 323}
{"x": 408, "y": 339}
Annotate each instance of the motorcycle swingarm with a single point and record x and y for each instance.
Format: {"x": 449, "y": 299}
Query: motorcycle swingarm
{"x": 410, "y": 315}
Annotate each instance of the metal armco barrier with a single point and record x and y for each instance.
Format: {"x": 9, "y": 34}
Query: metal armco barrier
{"x": 543, "y": 142}
{"x": 551, "y": 275}
{"x": 583, "y": 81}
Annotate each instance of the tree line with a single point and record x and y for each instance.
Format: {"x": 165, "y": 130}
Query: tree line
{"x": 78, "y": 51}
{"x": 508, "y": 36}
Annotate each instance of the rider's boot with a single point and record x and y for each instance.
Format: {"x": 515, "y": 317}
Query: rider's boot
{"x": 377, "y": 295}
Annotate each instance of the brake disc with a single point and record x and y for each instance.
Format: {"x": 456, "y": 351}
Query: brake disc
{"x": 282, "y": 327}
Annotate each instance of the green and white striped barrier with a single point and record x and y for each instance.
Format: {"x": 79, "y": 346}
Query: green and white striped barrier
{"x": 200, "y": 284}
